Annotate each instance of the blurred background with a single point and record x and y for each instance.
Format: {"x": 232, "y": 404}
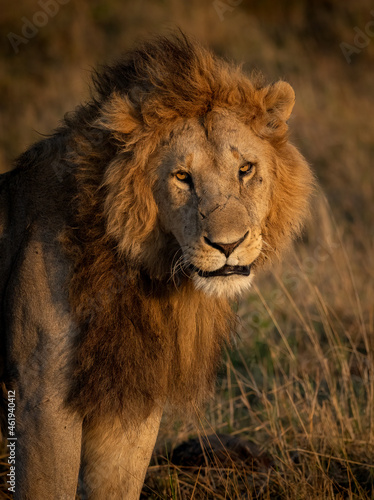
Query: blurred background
{"x": 299, "y": 384}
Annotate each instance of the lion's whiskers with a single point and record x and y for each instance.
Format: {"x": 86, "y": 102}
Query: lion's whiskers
{"x": 269, "y": 247}
{"x": 178, "y": 266}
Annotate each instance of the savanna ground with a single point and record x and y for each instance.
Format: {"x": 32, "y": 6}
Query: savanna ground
{"x": 298, "y": 386}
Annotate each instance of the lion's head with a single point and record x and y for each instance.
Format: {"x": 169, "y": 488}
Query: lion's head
{"x": 204, "y": 183}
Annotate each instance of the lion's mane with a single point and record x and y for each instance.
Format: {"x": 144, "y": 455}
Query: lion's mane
{"x": 145, "y": 339}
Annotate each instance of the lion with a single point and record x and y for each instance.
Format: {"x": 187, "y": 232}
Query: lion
{"x": 124, "y": 237}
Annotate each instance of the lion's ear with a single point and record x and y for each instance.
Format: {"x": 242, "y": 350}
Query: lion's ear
{"x": 280, "y": 100}
{"x": 119, "y": 115}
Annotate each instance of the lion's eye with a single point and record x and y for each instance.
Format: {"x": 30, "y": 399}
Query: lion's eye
{"x": 246, "y": 169}
{"x": 183, "y": 176}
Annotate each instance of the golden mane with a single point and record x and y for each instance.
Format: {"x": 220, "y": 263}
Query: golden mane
{"x": 143, "y": 339}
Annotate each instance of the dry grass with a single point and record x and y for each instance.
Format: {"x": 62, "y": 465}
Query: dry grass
{"x": 300, "y": 382}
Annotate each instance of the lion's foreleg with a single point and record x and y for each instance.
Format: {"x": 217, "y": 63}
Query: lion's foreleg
{"x": 115, "y": 457}
{"x": 48, "y": 434}
{"x": 47, "y": 453}
{"x": 40, "y": 338}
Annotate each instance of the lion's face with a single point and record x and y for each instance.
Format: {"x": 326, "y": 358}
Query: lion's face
{"x": 211, "y": 195}
{"x": 213, "y": 191}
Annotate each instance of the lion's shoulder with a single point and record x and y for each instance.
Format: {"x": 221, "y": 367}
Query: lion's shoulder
{"x": 34, "y": 206}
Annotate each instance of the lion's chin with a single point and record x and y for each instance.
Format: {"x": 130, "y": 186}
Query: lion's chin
{"x": 223, "y": 286}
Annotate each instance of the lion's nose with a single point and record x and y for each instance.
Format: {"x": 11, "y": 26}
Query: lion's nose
{"x": 225, "y": 248}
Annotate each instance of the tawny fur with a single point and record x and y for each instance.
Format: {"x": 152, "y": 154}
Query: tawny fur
{"x": 147, "y": 337}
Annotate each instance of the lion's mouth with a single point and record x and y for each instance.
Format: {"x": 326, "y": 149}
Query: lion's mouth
{"x": 224, "y": 271}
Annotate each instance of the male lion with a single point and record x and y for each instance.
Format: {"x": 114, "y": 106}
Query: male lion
{"x": 124, "y": 235}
